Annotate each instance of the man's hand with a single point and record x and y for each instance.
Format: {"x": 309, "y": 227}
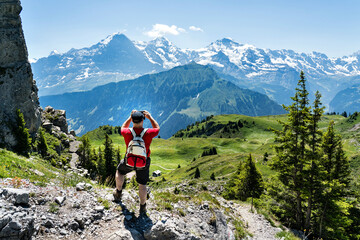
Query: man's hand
{"x": 147, "y": 114}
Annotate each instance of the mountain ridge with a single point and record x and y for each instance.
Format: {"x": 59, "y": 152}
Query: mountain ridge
{"x": 175, "y": 98}
{"x": 273, "y": 72}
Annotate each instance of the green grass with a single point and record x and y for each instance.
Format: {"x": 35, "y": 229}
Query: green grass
{"x": 36, "y": 169}
{"x": 286, "y": 236}
{"x": 254, "y": 137}
{"x": 13, "y": 165}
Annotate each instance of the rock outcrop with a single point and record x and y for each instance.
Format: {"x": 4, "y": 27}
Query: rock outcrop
{"x": 17, "y": 88}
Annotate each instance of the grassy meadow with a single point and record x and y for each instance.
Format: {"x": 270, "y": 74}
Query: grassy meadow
{"x": 232, "y": 146}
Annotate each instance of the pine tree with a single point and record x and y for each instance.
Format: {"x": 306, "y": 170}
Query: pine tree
{"x": 265, "y": 159}
{"x": 22, "y": 136}
{"x": 118, "y": 155}
{"x": 100, "y": 165}
{"x": 197, "y": 173}
{"x": 313, "y": 181}
{"x": 93, "y": 159}
{"x": 214, "y": 152}
{"x": 109, "y": 157}
{"x": 335, "y": 182}
{"x": 212, "y": 176}
{"x": 246, "y": 182}
{"x": 85, "y": 149}
{"x": 42, "y": 146}
{"x": 252, "y": 182}
{"x": 291, "y": 159}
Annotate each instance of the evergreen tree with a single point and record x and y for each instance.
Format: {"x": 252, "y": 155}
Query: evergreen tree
{"x": 22, "y": 136}
{"x": 212, "y": 176}
{"x": 110, "y": 168}
{"x": 93, "y": 163}
{"x": 100, "y": 165}
{"x": 265, "y": 159}
{"x": 335, "y": 185}
{"x": 118, "y": 155}
{"x": 42, "y": 146}
{"x": 197, "y": 173}
{"x": 252, "y": 182}
{"x": 214, "y": 152}
{"x": 85, "y": 150}
{"x": 246, "y": 182}
{"x": 291, "y": 159}
{"x": 312, "y": 181}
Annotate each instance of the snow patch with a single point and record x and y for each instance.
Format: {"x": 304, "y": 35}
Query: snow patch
{"x": 92, "y": 111}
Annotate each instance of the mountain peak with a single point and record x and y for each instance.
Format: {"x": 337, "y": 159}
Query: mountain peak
{"x": 54, "y": 52}
{"x": 225, "y": 42}
{"x": 117, "y": 35}
{"x": 160, "y": 42}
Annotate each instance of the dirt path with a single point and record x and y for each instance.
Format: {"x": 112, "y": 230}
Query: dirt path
{"x": 257, "y": 224}
{"x": 168, "y": 169}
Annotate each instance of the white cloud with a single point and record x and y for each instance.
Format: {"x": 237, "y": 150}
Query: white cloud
{"x": 196, "y": 29}
{"x": 159, "y": 30}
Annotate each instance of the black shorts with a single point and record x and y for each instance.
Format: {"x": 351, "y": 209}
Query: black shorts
{"x": 142, "y": 175}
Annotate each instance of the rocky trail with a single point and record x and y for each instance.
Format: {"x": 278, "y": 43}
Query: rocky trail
{"x": 257, "y": 225}
{"x": 85, "y": 212}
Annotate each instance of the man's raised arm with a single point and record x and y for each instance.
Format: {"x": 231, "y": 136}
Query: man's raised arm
{"x": 127, "y": 122}
{"x": 153, "y": 122}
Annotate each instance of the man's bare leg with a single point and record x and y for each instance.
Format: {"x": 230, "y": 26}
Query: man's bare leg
{"x": 142, "y": 194}
{"x": 119, "y": 178}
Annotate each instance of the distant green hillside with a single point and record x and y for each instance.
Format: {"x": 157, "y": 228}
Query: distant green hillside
{"x": 175, "y": 98}
{"x": 233, "y": 144}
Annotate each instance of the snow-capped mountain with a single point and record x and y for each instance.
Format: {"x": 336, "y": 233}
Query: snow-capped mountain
{"x": 274, "y": 72}
{"x": 162, "y": 52}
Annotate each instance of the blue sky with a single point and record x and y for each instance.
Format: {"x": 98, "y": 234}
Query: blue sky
{"x": 330, "y": 27}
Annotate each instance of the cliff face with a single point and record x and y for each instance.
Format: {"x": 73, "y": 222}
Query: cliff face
{"x": 17, "y": 88}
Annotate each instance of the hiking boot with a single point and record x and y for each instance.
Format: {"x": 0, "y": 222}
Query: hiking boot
{"x": 143, "y": 209}
{"x": 117, "y": 195}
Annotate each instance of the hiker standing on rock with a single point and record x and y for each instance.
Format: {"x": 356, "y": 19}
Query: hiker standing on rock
{"x": 137, "y": 140}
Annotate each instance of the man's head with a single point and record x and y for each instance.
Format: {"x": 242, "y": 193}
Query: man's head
{"x": 137, "y": 118}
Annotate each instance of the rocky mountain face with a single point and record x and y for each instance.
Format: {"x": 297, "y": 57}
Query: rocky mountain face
{"x": 175, "y": 98}
{"x": 17, "y": 87}
{"x": 273, "y": 72}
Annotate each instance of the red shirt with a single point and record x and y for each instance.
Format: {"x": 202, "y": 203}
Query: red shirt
{"x": 148, "y": 136}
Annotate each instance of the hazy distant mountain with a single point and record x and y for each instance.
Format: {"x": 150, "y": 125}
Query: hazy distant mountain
{"x": 176, "y": 98}
{"x": 346, "y": 100}
{"x": 273, "y": 72}
{"x": 113, "y": 59}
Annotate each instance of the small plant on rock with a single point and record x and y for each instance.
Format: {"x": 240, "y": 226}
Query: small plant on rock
{"x": 53, "y": 207}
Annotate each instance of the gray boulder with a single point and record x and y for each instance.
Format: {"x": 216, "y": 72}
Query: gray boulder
{"x": 126, "y": 234}
{"x": 17, "y": 196}
{"x": 18, "y": 229}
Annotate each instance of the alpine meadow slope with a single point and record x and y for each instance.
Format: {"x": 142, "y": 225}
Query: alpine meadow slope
{"x": 175, "y": 98}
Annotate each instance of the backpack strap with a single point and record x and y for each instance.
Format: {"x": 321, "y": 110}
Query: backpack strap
{"x": 143, "y": 132}
{"x": 132, "y": 132}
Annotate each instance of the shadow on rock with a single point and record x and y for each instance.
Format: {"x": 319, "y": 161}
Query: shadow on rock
{"x": 136, "y": 225}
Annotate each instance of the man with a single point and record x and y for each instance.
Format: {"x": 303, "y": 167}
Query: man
{"x": 142, "y": 175}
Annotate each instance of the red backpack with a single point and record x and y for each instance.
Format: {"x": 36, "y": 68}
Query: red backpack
{"x": 136, "y": 154}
